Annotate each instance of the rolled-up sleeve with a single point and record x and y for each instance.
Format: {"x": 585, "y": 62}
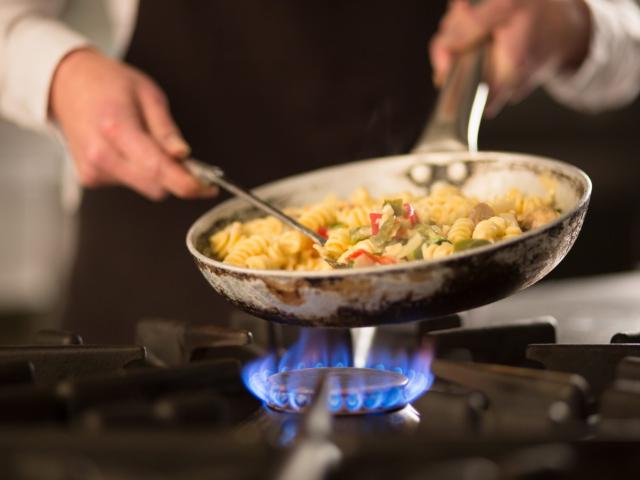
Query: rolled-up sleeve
{"x": 610, "y": 75}
{"x": 32, "y": 43}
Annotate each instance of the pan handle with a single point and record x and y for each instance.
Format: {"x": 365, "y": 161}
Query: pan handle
{"x": 455, "y": 122}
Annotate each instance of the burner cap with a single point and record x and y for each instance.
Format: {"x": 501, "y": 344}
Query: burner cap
{"x": 352, "y": 391}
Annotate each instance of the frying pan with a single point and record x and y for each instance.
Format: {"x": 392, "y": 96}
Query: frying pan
{"x": 419, "y": 289}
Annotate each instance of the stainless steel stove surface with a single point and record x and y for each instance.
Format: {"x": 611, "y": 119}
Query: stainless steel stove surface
{"x": 490, "y": 402}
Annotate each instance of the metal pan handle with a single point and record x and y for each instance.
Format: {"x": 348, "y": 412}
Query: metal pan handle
{"x": 455, "y": 121}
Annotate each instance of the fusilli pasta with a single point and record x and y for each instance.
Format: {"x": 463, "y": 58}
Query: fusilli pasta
{"x": 367, "y": 231}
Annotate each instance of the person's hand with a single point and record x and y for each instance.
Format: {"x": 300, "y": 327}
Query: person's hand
{"x": 117, "y": 124}
{"x": 530, "y": 40}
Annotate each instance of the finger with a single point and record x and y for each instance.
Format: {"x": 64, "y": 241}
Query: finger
{"x": 530, "y": 74}
{"x": 104, "y": 165}
{"x": 499, "y": 92}
{"x": 515, "y": 69}
{"x": 155, "y": 110}
{"x": 522, "y": 91}
{"x": 158, "y": 119}
{"x": 181, "y": 183}
{"x": 498, "y": 98}
{"x": 440, "y": 61}
{"x": 151, "y": 164}
{"x": 492, "y": 13}
{"x": 502, "y": 77}
{"x": 466, "y": 25}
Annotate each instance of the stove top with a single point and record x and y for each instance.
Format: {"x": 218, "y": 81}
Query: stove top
{"x": 501, "y": 402}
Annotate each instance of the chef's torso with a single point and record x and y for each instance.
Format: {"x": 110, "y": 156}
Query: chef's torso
{"x": 263, "y": 89}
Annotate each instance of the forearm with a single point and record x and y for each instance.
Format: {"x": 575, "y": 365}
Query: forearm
{"x": 32, "y": 43}
{"x": 609, "y": 76}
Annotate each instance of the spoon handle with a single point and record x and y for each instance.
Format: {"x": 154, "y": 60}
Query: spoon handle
{"x": 212, "y": 175}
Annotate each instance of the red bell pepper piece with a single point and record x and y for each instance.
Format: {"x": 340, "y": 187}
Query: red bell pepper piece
{"x": 377, "y": 259}
{"x": 385, "y": 260}
{"x": 357, "y": 253}
{"x": 410, "y": 213}
{"x": 322, "y": 231}
{"x": 375, "y": 222}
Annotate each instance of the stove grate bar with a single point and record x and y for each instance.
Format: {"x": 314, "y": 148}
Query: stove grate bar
{"x": 595, "y": 363}
{"x": 500, "y": 344}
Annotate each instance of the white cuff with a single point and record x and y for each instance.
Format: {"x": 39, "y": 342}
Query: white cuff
{"x": 34, "y": 48}
{"x": 607, "y": 76}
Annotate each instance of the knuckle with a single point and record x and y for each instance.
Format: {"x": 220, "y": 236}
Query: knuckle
{"x": 151, "y": 170}
{"x": 95, "y": 155}
{"x": 89, "y": 177}
{"x": 109, "y": 125}
{"x": 155, "y": 94}
{"x": 505, "y": 5}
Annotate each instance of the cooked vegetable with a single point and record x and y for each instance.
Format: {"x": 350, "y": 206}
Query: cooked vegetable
{"x": 375, "y": 222}
{"x": 381, "y": 259}
{"x": 414, "y": 243}
{"x": 410, "y": 213}
{"x": 470, "y": 243}
{"x": 322, "y": 231}
{"x": 480, "y": 212}
{"x": 396, "y": 204}
{"x": 416, "y": 254}
{"x": 359, "y": 233}
{"x": 385, "y": 232}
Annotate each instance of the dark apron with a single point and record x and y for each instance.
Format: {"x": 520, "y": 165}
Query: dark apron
{"x": 264, "y": 89}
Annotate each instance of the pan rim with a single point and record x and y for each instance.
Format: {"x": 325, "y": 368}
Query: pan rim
{"x": 398, "y": 267}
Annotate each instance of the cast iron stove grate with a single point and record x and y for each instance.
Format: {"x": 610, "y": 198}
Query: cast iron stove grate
{"x": 508, "y": 402}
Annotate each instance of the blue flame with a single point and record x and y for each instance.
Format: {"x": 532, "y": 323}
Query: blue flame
{"x": 318, "y": 349}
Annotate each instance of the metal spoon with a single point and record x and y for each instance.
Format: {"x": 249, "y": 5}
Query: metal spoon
{"x": 212, "y": 175}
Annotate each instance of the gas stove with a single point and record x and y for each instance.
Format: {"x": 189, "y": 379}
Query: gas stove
{"x": 434, "y": 399}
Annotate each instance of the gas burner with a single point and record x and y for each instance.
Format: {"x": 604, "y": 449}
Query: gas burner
{"x": 65, "y": 406}
{"x": 352, "y": 391}
{"x": 385, "y": 380}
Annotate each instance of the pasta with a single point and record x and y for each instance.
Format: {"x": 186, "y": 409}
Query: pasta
{"x": 368, "y": 231}
{"x": 357, "y": 216}
{"x": 338, "y": 241}
{"x": 462, "y": 229}
{"x": 245, "y": 248}
{"x": 223, "y": 241}
{"x": 317, "y": 217}
{"x": 491, "y": 229}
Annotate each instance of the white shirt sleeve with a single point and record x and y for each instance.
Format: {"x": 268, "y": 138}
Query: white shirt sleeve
{"x": 610, "y": 75}
{"x": 32, "y": 43}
